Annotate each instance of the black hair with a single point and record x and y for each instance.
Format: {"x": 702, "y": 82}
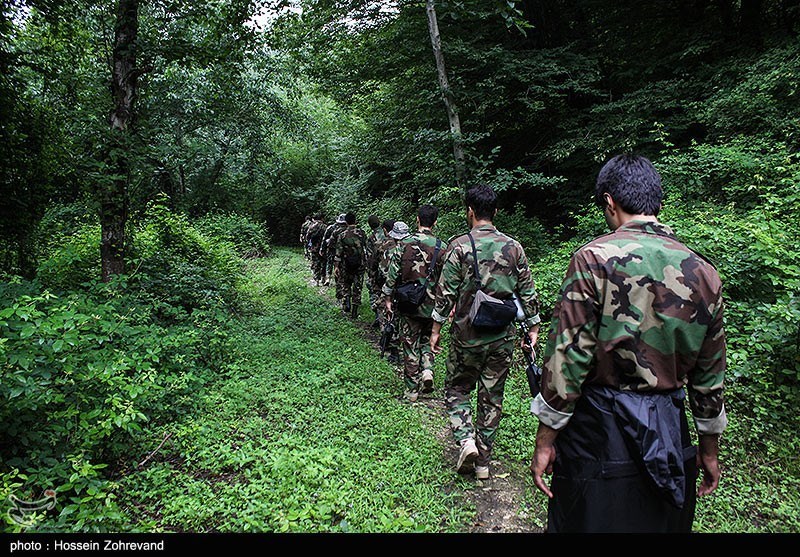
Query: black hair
{"x": 482, "y": 200}
{"x": 388, "y": 224}
{"x": 427, "y": 215}
{"x": 374, "y": 221}
{"x": 633, "y": 182}
{"x": 350, "y": 218}
{"x": 318, "y": 216}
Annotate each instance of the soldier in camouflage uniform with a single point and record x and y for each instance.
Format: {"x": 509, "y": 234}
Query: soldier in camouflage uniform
{"x": 373, "y": 288}
{"x": 412, "y": 260}
{"x": 479, "y": 357}
{"x": 350, "y": 264}
{"x": 314, "y": 236}
{"x": 303, "y": 239}
{"x": 328, "y": 249}
{"x": 395, "y": 231}
{"x": 640, "y": 318}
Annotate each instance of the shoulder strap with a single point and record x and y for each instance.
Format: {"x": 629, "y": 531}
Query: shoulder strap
{"x": 475, "y": 263}
{"x": 433, "y": 261}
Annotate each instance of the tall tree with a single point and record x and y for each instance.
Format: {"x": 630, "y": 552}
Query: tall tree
{"x": 447, "y": 93}
{"x": 114, "y": 190}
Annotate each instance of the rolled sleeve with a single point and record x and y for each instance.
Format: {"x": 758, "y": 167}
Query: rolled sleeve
{"x": 712, "y": 426}
{"x": 438, "y": 318}
{"x": 548, "y": 415}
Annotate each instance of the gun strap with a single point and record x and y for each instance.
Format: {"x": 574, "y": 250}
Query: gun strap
{"x": 477, "y": 272}
{"x": 433, "y": 262}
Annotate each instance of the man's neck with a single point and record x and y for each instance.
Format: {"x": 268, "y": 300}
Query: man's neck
{"x": 478, "y": 223}
{"x": 424, "y": 229}
{"x": 625, "y": 218}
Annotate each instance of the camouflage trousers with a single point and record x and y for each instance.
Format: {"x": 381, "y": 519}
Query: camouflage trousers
{"x": 329, "y": 268}
{"x": 487, "y": 367}
{"x": 318, "y": 266}
{"x": 348, "y": 288}
{"x": 375, "y": 295}
{"x": 415, "y": 336}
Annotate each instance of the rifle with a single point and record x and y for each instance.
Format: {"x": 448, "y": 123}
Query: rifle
{"x": 532, "y": 371}
{"x": 387, "y": 335}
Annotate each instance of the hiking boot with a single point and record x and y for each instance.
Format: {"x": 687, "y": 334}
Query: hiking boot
{"x": 354, "y": 311}
{"x": 467, "y": 456}
{"x": 411, "y": 396}
{"x": 482, "y": 472}
{"x": 427, "y": 381}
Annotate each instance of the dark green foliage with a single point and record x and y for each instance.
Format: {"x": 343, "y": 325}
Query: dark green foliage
{"x": 81, "y": 374}
{"x": 249, "y": 239}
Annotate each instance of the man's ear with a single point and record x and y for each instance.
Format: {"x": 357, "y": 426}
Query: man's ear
{"x": 610, "y": 203}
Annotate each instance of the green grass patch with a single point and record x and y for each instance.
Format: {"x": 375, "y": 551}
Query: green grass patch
{"x": 306, "y": 434}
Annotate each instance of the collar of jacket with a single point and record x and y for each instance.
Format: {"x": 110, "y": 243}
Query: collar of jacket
{"x": 485, "y": 228}
{"x": 648, "y": 227}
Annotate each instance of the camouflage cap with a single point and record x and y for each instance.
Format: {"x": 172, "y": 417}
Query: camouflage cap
{"x": 399, "y": 231}
{"x": 340, "y": 219}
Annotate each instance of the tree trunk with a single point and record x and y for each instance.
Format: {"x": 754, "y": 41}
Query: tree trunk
{"x": 114, "y": 195}
{"x": 447, "y": 94}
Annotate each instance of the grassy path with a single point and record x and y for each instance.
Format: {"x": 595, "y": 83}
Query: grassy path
{"x": 306, "y": 432}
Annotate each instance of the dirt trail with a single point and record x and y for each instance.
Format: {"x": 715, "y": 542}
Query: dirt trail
{"x": 498, "y": 500}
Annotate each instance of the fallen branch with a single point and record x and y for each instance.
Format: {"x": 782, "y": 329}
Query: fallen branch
{"x": 146, "y": 460}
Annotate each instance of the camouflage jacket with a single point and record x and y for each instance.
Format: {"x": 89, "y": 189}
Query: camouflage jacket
{"x": 328, "y": 246}
{"x": 504, "y": 271}
{"x": 351, "y": 241}
{"x": 638, "y": 311}
{"x": 380, "y": 263}
{"x": 315, "y": 232}
{"x": 411, "y": 260}
{"x": 373, "y": 241}
{"x": 304, "y": 230}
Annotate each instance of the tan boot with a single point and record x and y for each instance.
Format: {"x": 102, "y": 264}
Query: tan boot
{"x": 467, "y": 456}
{"x": 427, "y": 381}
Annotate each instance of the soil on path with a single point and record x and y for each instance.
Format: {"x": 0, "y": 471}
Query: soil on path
{"x": 498, "y": 500}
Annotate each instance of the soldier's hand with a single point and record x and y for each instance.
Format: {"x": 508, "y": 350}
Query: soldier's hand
{"x": 708, "y": 463}
{"x": 436, "y": 347}
{"x": 542, "y": 463}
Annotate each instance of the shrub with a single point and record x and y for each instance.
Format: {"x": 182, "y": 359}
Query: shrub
{"x": 249, "y": 238}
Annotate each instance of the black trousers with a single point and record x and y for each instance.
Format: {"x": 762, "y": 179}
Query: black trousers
{"x": 600, "y": 483}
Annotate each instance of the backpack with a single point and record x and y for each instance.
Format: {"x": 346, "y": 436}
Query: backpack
{"x": 409, "y": 295}
{"x": 353, "y": 259}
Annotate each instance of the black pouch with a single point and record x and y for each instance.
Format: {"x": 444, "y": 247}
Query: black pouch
{"x": 352, "y": 263}
{"x": 410, "y": 295}
{"x": 491, "y": 314}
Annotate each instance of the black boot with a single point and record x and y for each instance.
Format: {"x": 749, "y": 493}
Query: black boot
{"x": 354, "y": 311}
